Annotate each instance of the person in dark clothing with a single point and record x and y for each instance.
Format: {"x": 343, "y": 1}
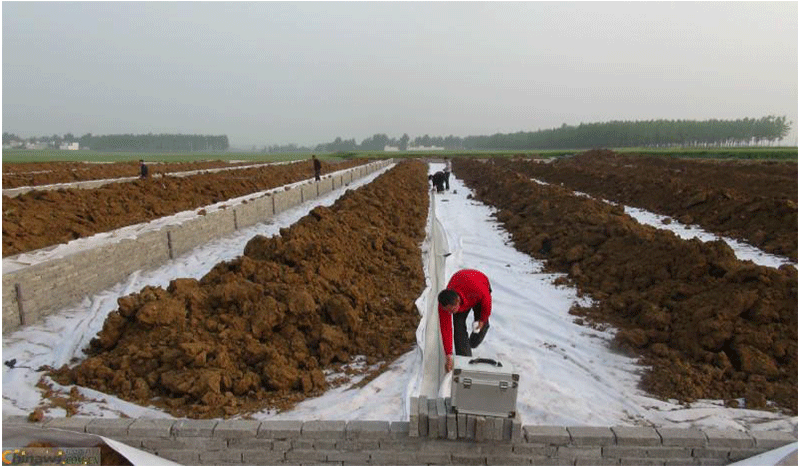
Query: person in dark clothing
{"x": 467, "y": 289}
{"x": 317, "y": 166}
{"x": 437, "y": 180}
{"x": 143, "y": 171}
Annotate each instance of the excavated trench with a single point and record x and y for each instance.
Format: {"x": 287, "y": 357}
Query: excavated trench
{"x": 39, "y": 219}
{"x": 707, "y": 324}
{"x": 259, "y": 331}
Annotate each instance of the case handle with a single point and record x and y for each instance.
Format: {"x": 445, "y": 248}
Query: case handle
{"x": 486, "y": 361}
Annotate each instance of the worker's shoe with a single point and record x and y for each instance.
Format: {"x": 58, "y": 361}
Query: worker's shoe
{"x": 476, "y": 338}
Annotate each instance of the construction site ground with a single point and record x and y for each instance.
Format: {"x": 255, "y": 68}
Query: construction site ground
{"x": 258, "y": 331}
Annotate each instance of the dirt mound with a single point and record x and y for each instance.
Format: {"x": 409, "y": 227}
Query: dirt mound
{"x": 710, "y": 326}
{"x": 33, "y": 174}
{"x": 258, "y": 331}
{"x": 748, "y": 200}
{"x": 39, "y": 219}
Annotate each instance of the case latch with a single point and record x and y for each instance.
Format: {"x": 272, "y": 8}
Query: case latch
{"x": 467, "y": 382}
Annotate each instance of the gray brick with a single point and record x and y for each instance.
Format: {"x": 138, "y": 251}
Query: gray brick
{"x": 109, "y": 427}
{"x": 221, "y": 457}
{"x": 578, "y": 452}
{"x": 710, "y": 461}
{"x": 772, "y": 439}
{"x": 184, "y": 457}
{"x": 433, "y": 420}
{"x": 507, "y": 460}
{"x": 552, "y": 461}
{"x": 591, "y": 435}
{"x": 680, "y": 462}
{"x": 279, "y": 429}
{"x": 354, "y": 445}
{"x": 131, "y": 442}
{"x": 249, "y": 443}
{"x": 367, "y": 429}
{"x": 669, "y": 452}
{"x": 323, "y": 429}
{"x": 184, "y": 443}
{"x": 306, "y": 456}
{"x": 413, "y": 417}
{"x": 441, "y": 411}
{"x": 69, "y": 424}
{"x": 480, "y": 428}
{"x": 641, "y": 462}
{"x": 349, "y": 457}
{"x": 304, "y": 444}
{"x": 741, "y": 454}
{"x": 452, "y": 426}
{"x": 471, "y": 427}
{"x": 690, "y": 437}
{"x": 516, "y": 429}
{"x": 468, "y": 459}
{"x": 498, "y": 428}
{"x": 151, "y": 428}
{"x": 711, "y": 452}
{"x": 281, "y": 445}
{"x": 433, "y": 458}
{"x": 461, "y": 422}
{"x": 423, "y": 415}
{"x": 538, "y": 450}
{"x": 636, "y": 436}
{"x": 391, "y": 458}
{"x": 399, "y": 429}
{"x": 552, "y": 435}
{"x": 330, "y": 444}
{"x": 193, "y": 427}
{"x": 261, "y": 457}
{"x": 729, "y": 438}
{"x": 596, "y": 461}
{"x": 235, "y": 429}
{"x": 624, "y": 451}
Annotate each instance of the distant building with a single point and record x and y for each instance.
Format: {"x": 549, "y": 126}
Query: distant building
{"x": 391, "y": 148}
{"x": 425, "y": 148}
{"x": 74, "y": 146}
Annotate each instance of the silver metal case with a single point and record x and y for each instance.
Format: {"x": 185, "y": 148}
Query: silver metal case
{"x": 484, "y": 387}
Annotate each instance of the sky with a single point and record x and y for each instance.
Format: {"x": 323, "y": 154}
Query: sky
{"x": 307, "y": 72}
{"x": 568, "y": 373}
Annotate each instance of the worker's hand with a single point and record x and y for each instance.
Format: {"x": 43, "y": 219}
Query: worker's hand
{"x": 480, "y": 326}
{"x": 448, "y": 363}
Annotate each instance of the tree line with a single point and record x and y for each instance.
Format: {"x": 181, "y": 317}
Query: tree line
{"x": 129, "y": 142}
{"x": 614, "y": 134}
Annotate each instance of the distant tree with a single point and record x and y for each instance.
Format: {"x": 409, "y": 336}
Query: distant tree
{"x": 404, "y": 142}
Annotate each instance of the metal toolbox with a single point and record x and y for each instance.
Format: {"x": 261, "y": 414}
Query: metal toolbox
{"x": 483, "y": 387}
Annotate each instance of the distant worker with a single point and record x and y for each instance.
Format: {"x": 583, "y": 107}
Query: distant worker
{"x": 467, "y": 289}
{"x": 317, "y": 166}
{"x": 437, "y": 180}
{"x": 143, "y": 169}
{"x": 448, "y": 168}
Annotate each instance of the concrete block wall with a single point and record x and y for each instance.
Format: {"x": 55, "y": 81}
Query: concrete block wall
{"x": 249, "y": 442}
{"x": 38, "y": 290}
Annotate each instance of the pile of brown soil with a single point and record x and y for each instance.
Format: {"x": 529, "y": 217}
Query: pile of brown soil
{"x": 710, "y": 326}
{"x": 46, "y": 173}
{"x": 257, "y": 332}
{"x": 754, "y": 201}
{"x": 40, "y": 219}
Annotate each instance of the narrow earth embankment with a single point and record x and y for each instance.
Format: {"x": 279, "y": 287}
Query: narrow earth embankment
{"x": 754, "y": 201}
{"x": 39, "y": 219}
{"x": 709, "y": 325}
{"x": 46, "y": 173}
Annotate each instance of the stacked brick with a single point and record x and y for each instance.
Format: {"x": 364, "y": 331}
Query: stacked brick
{"x": 248, "y": 442}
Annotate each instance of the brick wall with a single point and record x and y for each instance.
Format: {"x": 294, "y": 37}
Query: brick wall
{"x": 50, "y": 286}
{"x": 247, "y": 442}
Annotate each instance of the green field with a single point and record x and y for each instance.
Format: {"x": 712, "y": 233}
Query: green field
{"x": 766, "y": 153}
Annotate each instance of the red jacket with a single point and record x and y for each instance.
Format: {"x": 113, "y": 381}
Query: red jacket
{"x": 473, "y": 288}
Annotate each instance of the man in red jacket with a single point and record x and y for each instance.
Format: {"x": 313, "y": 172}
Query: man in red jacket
{"x": 467, "y": 289}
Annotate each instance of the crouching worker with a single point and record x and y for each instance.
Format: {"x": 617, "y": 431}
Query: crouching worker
{"x": 467, "y": 289}
{"x": 438, "y": 180}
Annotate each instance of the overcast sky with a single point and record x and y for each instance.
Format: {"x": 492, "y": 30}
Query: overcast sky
{"x": 307, "y": 72}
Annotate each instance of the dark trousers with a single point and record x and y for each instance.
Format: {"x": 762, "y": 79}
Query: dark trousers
{"x": 461, "y": 334}
{"x": 316, "y": 174}
{"x": 447, "y": 179}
